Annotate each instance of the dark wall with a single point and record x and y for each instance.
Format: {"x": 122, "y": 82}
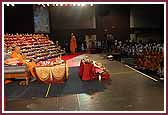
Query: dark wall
{"x": 18, "y": 19}
{"x": 147, "y": 16}
{"x": 147, "y": 21}
{"x": 69, "y": 19}
{"x": 72, "y": 17}
{"x": 114, "y": 18}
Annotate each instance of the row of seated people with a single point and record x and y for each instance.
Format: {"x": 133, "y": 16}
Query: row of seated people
{"x": 153, "y": 61}
{"x": 29, "y": 54}
{"x": 25, "y": 39}
{"x": 38, "y": 47}
{"x": 148, "y": 56}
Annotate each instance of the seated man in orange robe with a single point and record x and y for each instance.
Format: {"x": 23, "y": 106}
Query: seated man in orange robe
{"x": 31, "y": 65}
{"x": 73, "y": 44}
{"x": 16, "y": 54}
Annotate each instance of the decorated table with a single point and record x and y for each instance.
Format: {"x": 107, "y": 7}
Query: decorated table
{"x": 52, "y": 72}
{"x": 90, "y": 70}
{"x": 36, "y": 47}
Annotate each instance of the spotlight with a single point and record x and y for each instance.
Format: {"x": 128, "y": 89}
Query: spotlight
{"x": 74, "y": 4}
{"x": 56, "y": 4}
{"x": 78, "y": 4}
{"x": 48, "y": 5}
{"x": 7, "y": 4}
{"x": 91, "y": 4}
{"x": 61, "y": 4}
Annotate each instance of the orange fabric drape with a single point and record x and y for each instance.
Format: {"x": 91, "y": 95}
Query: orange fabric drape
{"x": 30, "y": 65}
{"x": 73, "y": 44}
{"x": 18, "y": 56}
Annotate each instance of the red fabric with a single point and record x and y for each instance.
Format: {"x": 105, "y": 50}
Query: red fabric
{"x": 105, "y": 76}
{"x": 93, "y": 74}
{"x": 81, "y": 69}
{"x": 87, "y": 71}
{"x": 99, "y": 70}
{"x": 67, "y": 57}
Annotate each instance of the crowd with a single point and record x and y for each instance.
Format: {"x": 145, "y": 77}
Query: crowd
{"x": 149, "y": 56}
{"x": 29, "y": 49}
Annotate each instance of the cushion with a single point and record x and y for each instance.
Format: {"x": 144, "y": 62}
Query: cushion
{"x": 8, "y": 69}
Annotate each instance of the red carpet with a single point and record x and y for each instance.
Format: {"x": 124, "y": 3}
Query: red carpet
{"x": 70, "y": 56}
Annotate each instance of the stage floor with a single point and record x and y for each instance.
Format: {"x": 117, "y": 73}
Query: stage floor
{"x": 127, "y": 90}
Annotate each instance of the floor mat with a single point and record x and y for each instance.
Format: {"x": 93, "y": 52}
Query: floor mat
{"x": 74, "y": 85}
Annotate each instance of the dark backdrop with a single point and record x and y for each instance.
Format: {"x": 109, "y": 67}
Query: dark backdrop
{"x": 18, "y": 19}
{"x": 115, "y": 18}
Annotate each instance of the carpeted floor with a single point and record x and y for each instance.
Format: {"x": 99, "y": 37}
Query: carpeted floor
{"x": 74, "y": 85}
{"x": 70, "y": 56}
{"x": 127, "y": 90}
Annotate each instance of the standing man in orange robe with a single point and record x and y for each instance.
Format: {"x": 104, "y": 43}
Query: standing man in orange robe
{"x": 73, "y": 44}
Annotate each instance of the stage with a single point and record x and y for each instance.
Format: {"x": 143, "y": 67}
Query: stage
{"x": 127, "y": 90}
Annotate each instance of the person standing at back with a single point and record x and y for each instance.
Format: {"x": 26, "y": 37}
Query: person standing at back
{"x": 109, "y": 42}
{"x": 73, "y": 44}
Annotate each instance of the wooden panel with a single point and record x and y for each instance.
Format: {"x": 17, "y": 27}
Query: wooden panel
{"x": 17, "y": 75}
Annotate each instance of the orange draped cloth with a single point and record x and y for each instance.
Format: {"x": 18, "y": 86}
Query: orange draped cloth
{"x": 30, "y": 65}
{"x": 73, "y": 44}
{"x": 17, "y": 55}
